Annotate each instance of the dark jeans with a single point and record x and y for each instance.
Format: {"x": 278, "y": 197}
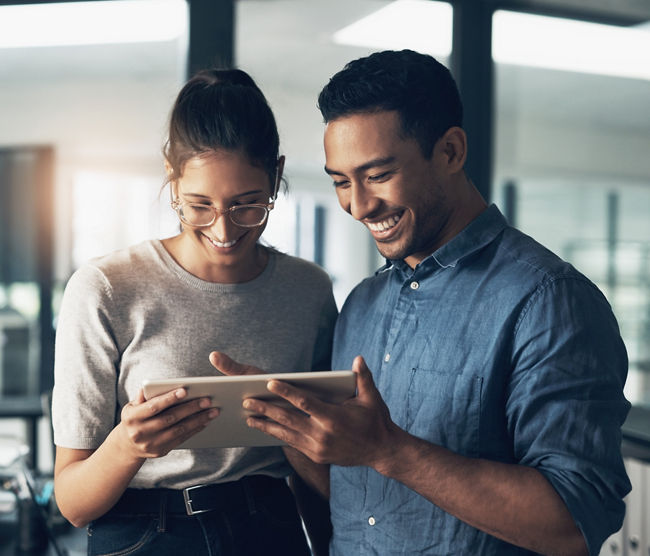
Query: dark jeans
{"x": 261, "y": 523}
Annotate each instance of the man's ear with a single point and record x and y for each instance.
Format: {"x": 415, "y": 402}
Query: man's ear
{"x": 454, "y": 144}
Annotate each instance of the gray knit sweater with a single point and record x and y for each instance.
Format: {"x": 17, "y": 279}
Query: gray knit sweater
{"x": 137, "y": 314}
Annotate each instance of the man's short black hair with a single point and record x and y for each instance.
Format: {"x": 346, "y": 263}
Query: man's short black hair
{"x": 415, "y": 85}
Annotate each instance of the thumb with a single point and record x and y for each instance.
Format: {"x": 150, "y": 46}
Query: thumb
{"x": 365, "y": 383}
{"x": 229, "y": 366}
{"x": 221, "y": 361}
{"x": 140, "y": 397}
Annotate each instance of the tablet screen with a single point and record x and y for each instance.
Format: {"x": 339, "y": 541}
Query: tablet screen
{"x": 229, "y": 429}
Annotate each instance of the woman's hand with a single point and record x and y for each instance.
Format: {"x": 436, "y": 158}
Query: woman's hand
{"x": 151, "y": 428}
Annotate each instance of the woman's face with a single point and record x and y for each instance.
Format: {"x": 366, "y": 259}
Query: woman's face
{"x": 222, "y": 252}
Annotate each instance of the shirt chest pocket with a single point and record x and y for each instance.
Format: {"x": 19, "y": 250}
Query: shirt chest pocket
{"x": 445, "y": 409}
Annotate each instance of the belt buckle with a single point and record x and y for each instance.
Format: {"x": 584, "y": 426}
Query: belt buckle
{"x": 188, "y": 501}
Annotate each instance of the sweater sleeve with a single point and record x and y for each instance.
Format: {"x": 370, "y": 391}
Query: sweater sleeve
{"x": 86, "y": 363}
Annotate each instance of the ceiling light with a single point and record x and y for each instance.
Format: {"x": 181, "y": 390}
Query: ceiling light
{"x": 100, "y": 22}
{"x": 570, "y": 45}
{"x": 421, "y": 25}
{"x": 517, "y": 38}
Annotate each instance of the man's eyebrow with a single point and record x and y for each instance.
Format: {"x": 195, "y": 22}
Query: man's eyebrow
{"x": 374, "y": 163}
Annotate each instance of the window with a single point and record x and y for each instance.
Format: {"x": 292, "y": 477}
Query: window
{"x": 572, "y": 166}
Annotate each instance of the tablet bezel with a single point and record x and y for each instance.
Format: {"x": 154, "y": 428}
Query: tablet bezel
{"x": 229, "y": 429}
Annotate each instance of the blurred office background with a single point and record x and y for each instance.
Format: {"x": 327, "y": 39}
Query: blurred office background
{"x": 557, "y": 97}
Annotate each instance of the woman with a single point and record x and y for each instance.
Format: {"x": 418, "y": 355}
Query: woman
{"x": 157, "y": 310}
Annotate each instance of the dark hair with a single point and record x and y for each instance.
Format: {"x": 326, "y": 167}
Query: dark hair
{"x": 415, "y": 85}
{"x": 222, "y": 109}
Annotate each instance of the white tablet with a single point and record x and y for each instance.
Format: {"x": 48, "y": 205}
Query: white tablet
{"x": 229, "y": 429}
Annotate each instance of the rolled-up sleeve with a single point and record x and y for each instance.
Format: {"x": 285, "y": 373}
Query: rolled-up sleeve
{"x": 566, "y": 405}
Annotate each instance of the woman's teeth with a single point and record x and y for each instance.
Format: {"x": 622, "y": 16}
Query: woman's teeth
{"x": 384, "y": 225}
{"x": 222, "y": 245}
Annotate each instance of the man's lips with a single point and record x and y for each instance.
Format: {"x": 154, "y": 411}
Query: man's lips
{"x": 383, "y": 227}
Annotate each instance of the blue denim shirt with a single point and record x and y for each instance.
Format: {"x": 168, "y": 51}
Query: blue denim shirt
{"x": 494, "y": 348}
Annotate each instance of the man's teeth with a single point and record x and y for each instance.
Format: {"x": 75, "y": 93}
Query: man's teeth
{"x": 384, "y": 224}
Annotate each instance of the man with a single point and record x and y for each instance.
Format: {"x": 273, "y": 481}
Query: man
{"x": 490, "y": 372}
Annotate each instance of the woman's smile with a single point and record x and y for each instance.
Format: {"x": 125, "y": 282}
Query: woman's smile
{"x": 222, "y": 244}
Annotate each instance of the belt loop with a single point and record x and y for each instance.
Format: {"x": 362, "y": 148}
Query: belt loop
{"x": 162, "y": 516}
{"x": 250, "y": 496}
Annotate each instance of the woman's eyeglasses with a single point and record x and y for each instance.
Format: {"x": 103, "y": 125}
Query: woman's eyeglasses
{"x": 246, "y": 216}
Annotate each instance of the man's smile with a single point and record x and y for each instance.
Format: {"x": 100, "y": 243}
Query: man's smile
{"x": 383, "y": 227}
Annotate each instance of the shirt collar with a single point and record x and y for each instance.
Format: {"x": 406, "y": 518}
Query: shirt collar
{"x": 477, "y": 234}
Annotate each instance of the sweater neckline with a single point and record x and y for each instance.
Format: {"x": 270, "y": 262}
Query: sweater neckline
{"x": 189, "y": 279}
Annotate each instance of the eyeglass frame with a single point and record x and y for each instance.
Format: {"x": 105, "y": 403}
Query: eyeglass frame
{"x": 216, "y": 212}
{"x": 268, "y": 207}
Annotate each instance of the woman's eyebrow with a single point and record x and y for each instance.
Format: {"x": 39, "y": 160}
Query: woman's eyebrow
{"x": 208, "y": 198}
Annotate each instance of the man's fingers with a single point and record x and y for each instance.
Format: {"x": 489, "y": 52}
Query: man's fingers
{"x": 228, "y": 366}
{"x": 286, "y": 416}
{"x": 221, "y": 362}
{"x": 365, "y": 383}
{"x": 298, "y": 440}
{"x": 298, "y": 398}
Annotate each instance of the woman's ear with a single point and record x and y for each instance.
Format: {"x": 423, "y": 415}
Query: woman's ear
{"x": 172, "y": 184}
{"x": 454, "y": 143}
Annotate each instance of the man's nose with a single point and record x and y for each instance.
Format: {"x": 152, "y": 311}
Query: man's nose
{"x": 362, "y": 202}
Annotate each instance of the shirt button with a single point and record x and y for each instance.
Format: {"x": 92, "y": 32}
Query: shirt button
{"x": 371, "y": 520}
{"x": 387, "y": 358}
{"x": 415, "y": 285}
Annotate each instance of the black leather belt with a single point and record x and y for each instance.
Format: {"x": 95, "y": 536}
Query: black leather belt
{"x": 199, "y": 499}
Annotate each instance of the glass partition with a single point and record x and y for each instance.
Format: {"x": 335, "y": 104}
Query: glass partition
{"x": 572, "y": 166}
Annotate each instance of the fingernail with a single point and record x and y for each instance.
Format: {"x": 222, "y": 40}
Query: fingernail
{"x": 213, "y": 413}
{"x": 180, "y": 393}
{"x": 205, "y": 402}
{"x": 246, "y": 404}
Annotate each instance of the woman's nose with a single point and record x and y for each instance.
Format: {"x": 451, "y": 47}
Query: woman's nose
{"x": 221, "y": 225}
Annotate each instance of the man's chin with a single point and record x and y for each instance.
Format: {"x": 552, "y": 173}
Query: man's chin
{"x": 392, "y": 252}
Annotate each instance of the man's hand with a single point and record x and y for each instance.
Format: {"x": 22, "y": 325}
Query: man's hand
{"x": 317, "y": 476}
{"x": 357, "y": 432}
{"x": 228, "y": 366}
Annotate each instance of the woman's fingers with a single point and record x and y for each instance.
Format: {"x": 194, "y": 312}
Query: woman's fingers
{"x": 157, "y": 425}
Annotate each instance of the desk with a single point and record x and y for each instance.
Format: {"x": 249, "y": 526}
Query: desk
{"x": 29, "y": 409}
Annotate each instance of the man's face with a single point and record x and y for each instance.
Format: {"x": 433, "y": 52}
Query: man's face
{"x": 383, "y": 180}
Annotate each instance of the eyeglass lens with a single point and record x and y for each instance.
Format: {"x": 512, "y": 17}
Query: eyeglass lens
{"x": 203, "y": 215}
